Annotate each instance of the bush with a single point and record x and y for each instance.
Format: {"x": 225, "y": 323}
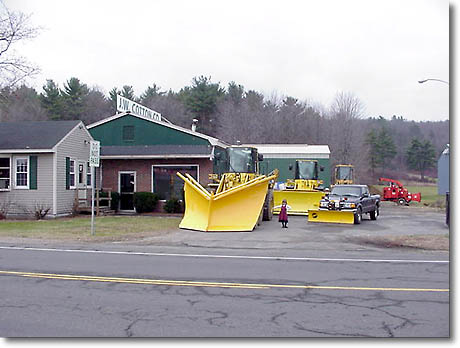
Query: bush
{"x": 41, "y": 210}
{"x": 173, "y": 206}
{"x": 115, "y": 200}
{"x": 113, "y": 203}
{"x": 145, "y": 201}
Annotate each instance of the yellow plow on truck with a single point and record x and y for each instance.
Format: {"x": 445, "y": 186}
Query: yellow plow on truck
{"x": 346, "y": 204}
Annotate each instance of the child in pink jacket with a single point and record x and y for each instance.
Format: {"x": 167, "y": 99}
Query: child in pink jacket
{"x": 283, "y": 217}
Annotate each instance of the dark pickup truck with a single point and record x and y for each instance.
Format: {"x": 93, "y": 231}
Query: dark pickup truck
{"x": 355, "y": 198}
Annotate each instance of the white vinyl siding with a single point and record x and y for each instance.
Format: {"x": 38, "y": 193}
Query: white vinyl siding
{"x": 24, "y": 202}
{"x": 75, "y": 146}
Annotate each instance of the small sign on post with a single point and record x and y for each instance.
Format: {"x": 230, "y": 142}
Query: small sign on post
{"x": 94, "y": 155}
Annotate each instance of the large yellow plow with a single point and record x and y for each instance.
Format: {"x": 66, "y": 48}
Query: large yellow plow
{"x": 300, "y": 201}
{"x": 235, "y": 209}
{"x": 332, "y": 216}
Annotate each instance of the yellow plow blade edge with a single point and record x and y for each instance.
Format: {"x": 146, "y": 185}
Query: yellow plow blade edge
{"x": 299, "y": 201}
{"x": 236, "y": 209}
{"x": 332, "y": 216}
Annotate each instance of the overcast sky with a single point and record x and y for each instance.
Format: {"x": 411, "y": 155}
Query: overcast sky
{"x": 309, "y": 50}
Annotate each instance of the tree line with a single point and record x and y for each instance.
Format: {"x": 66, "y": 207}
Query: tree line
{"x": 375, "y": 145}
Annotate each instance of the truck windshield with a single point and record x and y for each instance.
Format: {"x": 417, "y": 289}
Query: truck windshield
{"x": 345, "y": 173}
{"x": 307, "y": 170}
{"x": 240, "y": 160}
{"x": 346, "y": 191}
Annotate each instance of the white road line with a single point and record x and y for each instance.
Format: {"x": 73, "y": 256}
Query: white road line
{"x": 286, "y": 258}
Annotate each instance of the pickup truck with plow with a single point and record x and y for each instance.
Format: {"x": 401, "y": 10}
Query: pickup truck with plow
{"x": 346, "y": 204}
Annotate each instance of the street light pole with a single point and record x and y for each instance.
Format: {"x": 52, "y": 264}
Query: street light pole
{"x": 439, "y": 80}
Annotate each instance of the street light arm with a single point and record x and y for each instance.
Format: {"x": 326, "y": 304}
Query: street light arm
{"x": 439, "y": 80}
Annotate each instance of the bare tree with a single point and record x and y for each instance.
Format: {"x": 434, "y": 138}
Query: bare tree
{"x": 21, "y": 104}
{"x": 14, "y": 27}
{"x": 345, "y": 139}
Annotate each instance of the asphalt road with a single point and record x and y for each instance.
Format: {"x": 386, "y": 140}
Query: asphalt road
{"x": 134, "y": 295}
{"x": 305, "y": 281}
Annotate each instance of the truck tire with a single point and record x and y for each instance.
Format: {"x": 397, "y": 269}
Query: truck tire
{"x": 358, "y": 216}
{"x": 402, "y": 201}
{"x": 268, "y": 206}
{"x": 373, "y": 214}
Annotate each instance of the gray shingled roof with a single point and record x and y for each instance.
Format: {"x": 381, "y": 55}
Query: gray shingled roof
{"x": 154, "y": 150}
{"x": 33, "y": 134}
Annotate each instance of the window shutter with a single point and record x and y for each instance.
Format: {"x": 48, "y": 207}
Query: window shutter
{"x": 33, "y": 172}
{"x": 67, "y": 173}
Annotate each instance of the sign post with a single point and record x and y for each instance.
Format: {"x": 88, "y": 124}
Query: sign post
{"x": 94, "y": 155}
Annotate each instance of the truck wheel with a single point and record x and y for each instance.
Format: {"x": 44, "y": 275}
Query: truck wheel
{"x": 358, "y": 216}
{"x": 373, "y": 214}
{"x": 401, "y": 201}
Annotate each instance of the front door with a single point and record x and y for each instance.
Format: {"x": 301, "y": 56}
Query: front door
{"x": 81, "y": 182}
{"x": 127, "y": 187}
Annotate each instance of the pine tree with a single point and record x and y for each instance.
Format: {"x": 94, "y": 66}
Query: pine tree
{"x": 201, "y": 100}
{"x": 150, "y": 93}
{"x": 387, "y": 148}
{"x": 128, "y": 92}
{"x": 421, "y": 156}
{"x": 381, "y": 149}
{"x": 371, "y": 142}
{"x": 52, "y": 101}
{"x": 74, "y": 95}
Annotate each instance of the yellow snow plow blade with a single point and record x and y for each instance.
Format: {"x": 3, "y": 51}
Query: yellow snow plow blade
{"x": 332, "y": 216}
{"x": 300, "y": 201}
{"x": 236, "y": 209}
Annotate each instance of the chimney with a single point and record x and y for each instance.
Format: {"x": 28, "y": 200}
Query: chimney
{"x": 194, "y": 122}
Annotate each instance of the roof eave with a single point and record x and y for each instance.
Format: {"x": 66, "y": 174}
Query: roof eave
{"x": 153, "y": 156}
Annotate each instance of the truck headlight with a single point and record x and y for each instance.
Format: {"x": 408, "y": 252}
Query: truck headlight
{"x": 350, "y": 205}
{"x": 323, "y": 204}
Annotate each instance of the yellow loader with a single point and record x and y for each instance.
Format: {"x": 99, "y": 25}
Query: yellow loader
{"x": 302, "y": 193}
{"x": 239, "y": 200}
{"x": 343, "y": 174}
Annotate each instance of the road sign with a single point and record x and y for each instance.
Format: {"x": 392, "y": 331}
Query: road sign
{"x": 94, "y": 153}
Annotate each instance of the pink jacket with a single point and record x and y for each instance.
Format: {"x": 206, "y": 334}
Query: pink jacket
{"x": 283, "y": 213}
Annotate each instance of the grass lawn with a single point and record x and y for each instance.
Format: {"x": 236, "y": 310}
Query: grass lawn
{"x": 429, "y": 193}
{"x": 107, "y": 228}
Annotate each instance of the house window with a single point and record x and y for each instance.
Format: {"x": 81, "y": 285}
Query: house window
{"x": 22, "y": 173}
{"x": 81, "y": 171}
{"x": 88, "y": 174}
{"x": 165, "y": 181}
{"x": 128, "y": 133}
{"x": 5, "y": 170}
{"x": 72, "y": 174}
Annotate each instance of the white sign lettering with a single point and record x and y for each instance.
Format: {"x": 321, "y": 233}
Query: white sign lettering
{"x": 125, "y": 105}
{"x": 94, "y": 153}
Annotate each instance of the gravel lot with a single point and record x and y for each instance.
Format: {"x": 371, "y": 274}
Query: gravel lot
{"x": 396, "y": 227}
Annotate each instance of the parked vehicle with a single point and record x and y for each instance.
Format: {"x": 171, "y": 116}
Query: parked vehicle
{"x": 240, "y": 198}
{"x": 343, "y": 174}
{"x": 397, "y": 193}
{"x": 303, "y": 192}
{"x": 346, "y": 204}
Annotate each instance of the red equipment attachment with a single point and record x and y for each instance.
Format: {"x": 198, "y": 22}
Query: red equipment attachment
{"x": 397, "y": 193}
